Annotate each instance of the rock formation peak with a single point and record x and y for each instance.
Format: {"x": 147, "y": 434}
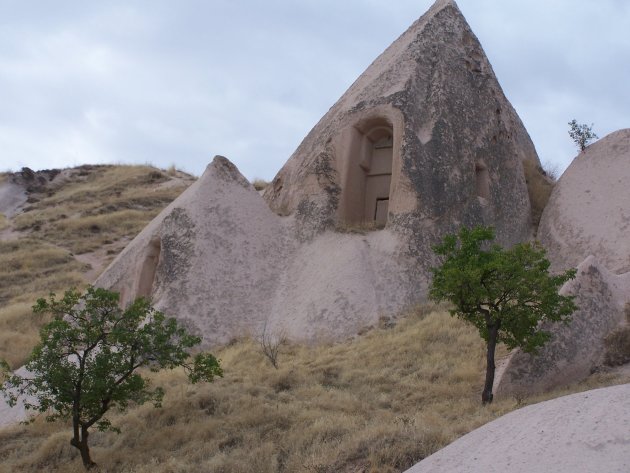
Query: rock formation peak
{"x": 423, "y": 142}
{"x": 425, "y": 134}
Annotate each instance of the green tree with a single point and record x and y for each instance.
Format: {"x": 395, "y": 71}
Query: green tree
{"x": 505, "y": 294}
{"x": 89, "y": 358}
{"x": 581, "y": 134}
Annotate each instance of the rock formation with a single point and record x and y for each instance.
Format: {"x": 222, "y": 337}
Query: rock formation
{"x": 422, "y": 143}
{"x": 588, "y": 214}
{"x": 212, "y": 258}
{"x": 581, "y": 432}
{"x": 589, "y": 209}
{"x": 577, "y": 348}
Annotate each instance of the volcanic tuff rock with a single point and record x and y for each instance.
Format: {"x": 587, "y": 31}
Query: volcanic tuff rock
{"x": 589, "y": 209}
{"x": 212, "y": 257}
{"x": 576, "y": 349}
{"x": 224, "y": 264}
{"x": 578, "y": 433}
{"x": 423, "y": 142}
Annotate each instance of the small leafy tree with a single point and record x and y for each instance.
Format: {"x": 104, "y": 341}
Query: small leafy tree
{"x": 89, "y": 357}
{"x": 505, "y": 294}
{"x": 581, "y": 134}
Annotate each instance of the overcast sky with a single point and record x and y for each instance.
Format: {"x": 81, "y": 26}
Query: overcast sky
{"x": 176, "y": 82}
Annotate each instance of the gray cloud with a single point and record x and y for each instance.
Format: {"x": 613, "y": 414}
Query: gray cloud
{"x": 177, "y": 82}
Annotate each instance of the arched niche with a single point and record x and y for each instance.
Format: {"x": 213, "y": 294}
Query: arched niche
{"x": 146, "y": 277}
{"x": 368, "y": 151}
{"x": 482, "y": 180}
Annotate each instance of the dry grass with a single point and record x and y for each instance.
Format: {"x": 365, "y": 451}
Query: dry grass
{"x": 4, "y": 222}
{"x": 29, "y": 266}
{"x": 260, "y": 184}
{"x": 91, "y": 207}
{"x": 29, "y": 269}
{"x": 98, "y": 206}
{"x": 539, "y": 186}
{"x": 378, "y": 403}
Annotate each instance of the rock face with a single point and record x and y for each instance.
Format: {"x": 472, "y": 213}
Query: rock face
{"x": 224, "y": 264}
{"x": 212, "y": 258}
{"x": 581, "y": 432}
{"x": 577, "y": 348}
{"x": 423, "y": 142}
{"x": 589, "y": 209}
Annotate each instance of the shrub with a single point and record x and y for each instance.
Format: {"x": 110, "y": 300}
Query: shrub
{"x": 581, "y": 134}
{"x": 539, "y": 187}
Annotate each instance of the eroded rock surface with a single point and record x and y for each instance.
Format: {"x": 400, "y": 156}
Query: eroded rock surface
{"x": 222, "y": 262}
{"x": 423, "y": 142}
{"x": 582, "y": 432}
{"x": 577, "y": 348}
{"x": 589, "y": 209}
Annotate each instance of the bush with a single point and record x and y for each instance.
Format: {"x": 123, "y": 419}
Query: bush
{"x": 617, "y": 347}
{"x": 581, "y": 134}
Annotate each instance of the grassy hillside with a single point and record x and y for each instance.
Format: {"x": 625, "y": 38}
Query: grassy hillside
{"x": 69, "y": 229}
{"x": 378, "y": 403}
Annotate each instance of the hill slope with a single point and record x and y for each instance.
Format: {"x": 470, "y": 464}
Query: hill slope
{"x": 60, "y": 228}
{"x": 377, "y": 403}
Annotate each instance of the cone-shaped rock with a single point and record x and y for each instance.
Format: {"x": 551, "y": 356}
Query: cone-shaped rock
{"x": 589, "y": 209}
{"x": 211, "y": 258}
{"x": 424, "y": 141}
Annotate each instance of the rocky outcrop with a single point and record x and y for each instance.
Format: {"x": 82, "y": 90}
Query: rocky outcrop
{"x": 576, "y": 348}
{"x": 223, "y": 263}
{"x": 581, "y": 432}
{"x": 423, "y": 142}
{"x": 589, "y": 209}
{"x": 212, "y": 258}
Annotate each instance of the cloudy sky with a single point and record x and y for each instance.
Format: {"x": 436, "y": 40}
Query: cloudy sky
{"x": 176, "y": 82}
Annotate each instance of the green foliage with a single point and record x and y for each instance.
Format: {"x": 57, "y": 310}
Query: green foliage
{"x": 90, "y": 354}
{"x": 505, "y": 294}
{"x": 581, "y": 134}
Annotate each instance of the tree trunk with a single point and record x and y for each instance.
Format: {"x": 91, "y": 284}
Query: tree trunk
{"x": 81, "y": 443}
{"x": 486, "y": 396}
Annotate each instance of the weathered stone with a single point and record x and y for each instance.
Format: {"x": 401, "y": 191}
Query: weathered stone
{"x": 582, "y": 432}
{"x": 576, "y": 348}
{"x": 589, "y": 209}
{"x": 422, "y": 143}
{"x": 212, "y": 258}
{"x": 455, "y": 144}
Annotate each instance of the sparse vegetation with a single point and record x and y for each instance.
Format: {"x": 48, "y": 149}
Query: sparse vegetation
{"x": 505, "y": 294}
{"x": 4, "y": 222}
{"x": 88, "y": 359}
{"x": 540, "y": 184}
{"x": 618, "y": 343}
{"x": 89, "y": 208}
{"x": 260, "y": 184}
{"x": 378, "y": 403}
{"x": 100, "y": 206}
{"x": 581, "y": 134}
{"x": 270, "y": 344}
